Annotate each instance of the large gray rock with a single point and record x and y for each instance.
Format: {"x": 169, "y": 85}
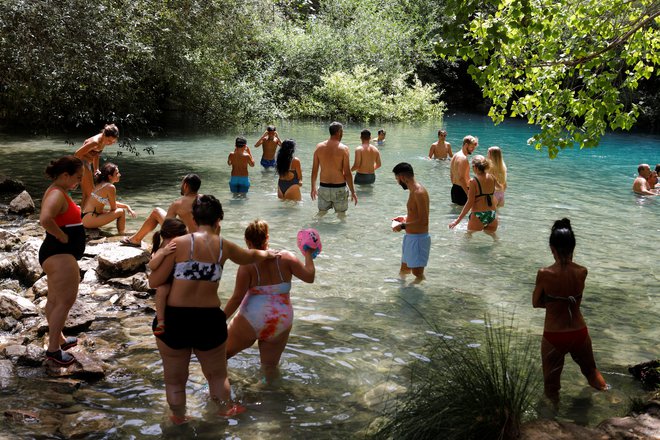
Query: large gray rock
{"x": 86, "y": 424}
{"x": 7, "y": 375}
{"x": 81, "y": 316}
{"x": 28, "y": 261}
{"x": 8, "y": 265}
{"x": 28, "y": 355}
{"x": 16, "y": 306}
{"x": 138, "y": 282}
{"x": 642, "y": 426}
{"x": 10, "y": 186}
{"x": 39, "y": 289}
{"x": 22, "y": 204}
{"x": 118, "y": 261}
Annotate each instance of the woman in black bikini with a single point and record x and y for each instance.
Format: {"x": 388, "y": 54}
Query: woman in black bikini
{"x": 105, "y": 194}
{"x": 195, "y": 321}
{"x": 288, "y": 167}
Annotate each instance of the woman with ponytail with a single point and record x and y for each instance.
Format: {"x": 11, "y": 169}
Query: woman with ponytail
{"x": 288, "y": 167}
{"x": 559, "y": 290}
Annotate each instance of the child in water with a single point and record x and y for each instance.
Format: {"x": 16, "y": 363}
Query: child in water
{"x": 162, "y": 247}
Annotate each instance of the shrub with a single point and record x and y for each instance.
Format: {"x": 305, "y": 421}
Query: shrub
{"x": 469, "y": 392}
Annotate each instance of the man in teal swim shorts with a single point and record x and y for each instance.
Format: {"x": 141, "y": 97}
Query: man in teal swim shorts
{"x": 417, "y": 241}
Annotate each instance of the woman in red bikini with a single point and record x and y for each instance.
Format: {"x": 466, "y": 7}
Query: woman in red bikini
{"x": 559, "y": 290}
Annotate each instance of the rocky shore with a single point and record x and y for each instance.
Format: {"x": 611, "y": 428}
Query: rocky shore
{"x": 114, "y": 294}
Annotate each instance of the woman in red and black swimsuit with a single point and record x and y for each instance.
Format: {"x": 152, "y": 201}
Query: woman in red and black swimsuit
{"x": 559, "y": 290}
{"x": 63, "y": 246}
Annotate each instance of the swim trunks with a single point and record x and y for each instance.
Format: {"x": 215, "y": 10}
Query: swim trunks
{"x": 364, "y": 179}
{"x": 268, "y": 163}
{"x": 416, "y": 249}
{"x": 458, "y": 195}
{"x": 333, "y": 195}
{"x": 239, "y": 184}
{"x": 485, "y": 217}
{"x": 199, "y": 328}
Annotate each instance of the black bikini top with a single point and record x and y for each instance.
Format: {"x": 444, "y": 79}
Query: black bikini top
{"x": 195, "y": 270}
{"x": 481, "y": 193}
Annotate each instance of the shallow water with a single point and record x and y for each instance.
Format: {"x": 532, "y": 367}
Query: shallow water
{"x": 358, "y": 324}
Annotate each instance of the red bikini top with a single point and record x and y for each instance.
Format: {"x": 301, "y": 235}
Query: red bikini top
{"x": 72, "y": 214}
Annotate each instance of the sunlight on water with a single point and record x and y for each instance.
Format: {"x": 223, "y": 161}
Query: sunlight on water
{"x": 358, "y": 325}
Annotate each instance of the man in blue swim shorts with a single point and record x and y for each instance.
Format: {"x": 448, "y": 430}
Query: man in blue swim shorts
{"x": 417, "y": 241}
{"x": 239, "y": 159}
{"x": 270, "y": 140}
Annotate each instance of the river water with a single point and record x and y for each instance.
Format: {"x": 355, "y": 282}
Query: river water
{"x": 358, "y": 325}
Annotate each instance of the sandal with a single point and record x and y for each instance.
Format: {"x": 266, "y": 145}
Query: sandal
{"x": 234, "y": 410}
{"x": 178, "y": 421}
{"x": 126, "y": 241}
{"x": 69, "y": 342}
{"x": 60, "y": 357}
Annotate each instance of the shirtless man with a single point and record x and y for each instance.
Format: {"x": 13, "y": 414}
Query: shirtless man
{"x": 239, "y": 159}
{"x": 367, "y": 160}
{"x": 441, "y": 149}
{"x": 333, "y": 158}
{"x": 270, "y": 140}
{"x": 641, "y": 185}
{"x": 181, "y": 208}
{"x": 460, "y": 171}
{"x": 380, "y": 140}
{"x": 417, "y": 241}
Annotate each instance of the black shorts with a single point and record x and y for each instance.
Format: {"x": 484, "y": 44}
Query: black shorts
{"x": 458, "y": 195}
{"x": 52, "y": 246}
{"x": 200, "y": 328}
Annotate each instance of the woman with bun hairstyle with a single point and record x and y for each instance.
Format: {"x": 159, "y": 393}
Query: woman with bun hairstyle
{"x": 481, "y": 201}
{"x": 290, "y": 172}
{"x": 558, "y": 290}
{"x": 262, "y": 297}
{"x": 195, "y": 323}
{"x": 94, "y": 214}
{"x": 63, "y": 246}
{"x": 90, "y": 152}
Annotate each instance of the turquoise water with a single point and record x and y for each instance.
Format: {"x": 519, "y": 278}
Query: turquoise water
{"x": 357, "y": 326}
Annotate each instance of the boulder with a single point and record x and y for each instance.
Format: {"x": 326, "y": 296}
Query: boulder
{"x": 16, "y": 306}
{"x": 28, "y": 355}
{"x": 86, "y": 424}
{"x": 642, "y": 426}
{"x": 81, "y": 316}
{"x": 137, "y": 282}
{"x": 545, "y": 429}
{"x": 648, "y": 373}
{"x": 10, "y": 186}
{"x": 8, "y": 265}
{"x": 9, "y": 284}
{"x": 9, "y": 241}
{"x": 39, "y": 289}
{"x": 7, "y": 375}
{"x": 22, "y": 204}
{"x": 28, "y": 261}
{"x": 118, "y": 261}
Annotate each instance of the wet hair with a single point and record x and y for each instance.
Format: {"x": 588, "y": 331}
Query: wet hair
{"x": 241, "y": 141}
{"x": 657, "y": 168}
{"x": 642, "y": 167}
{"x": 381, "y": 131}
{"x": 442, "y": 132}
{"x": 270, "y": 128}
{"x": 562, "y": 239}
{"x": 481, "y": 163}
{"x": 171, "y": 228}
{"x": 365, "y": 135}
{"x": 469, "y": 139}
{"x": 403, "y": 169}
{"x": 335, "y": 128}
{"x": 256, "y": 234}
{"x": 285, "y": 156}
{"x": 497, "y": 165}
{"x": 193, "y": 181}
{"x": 66, "y": 164}
{"x": 110, "y": 130}
{"x": 207, "y": 210}
{"x": 107, "y": 170}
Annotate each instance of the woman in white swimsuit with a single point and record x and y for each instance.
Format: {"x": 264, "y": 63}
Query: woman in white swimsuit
{"x": 94, "y": 213}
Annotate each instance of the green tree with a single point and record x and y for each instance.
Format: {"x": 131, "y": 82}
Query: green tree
{"x": 567, "y": 66}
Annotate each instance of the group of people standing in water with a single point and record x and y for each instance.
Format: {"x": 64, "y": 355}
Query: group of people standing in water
{"x": 189, "y": 253}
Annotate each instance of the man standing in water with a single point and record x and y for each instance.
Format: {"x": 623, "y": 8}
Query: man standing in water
{"x": 460, "y": 171}
{"x": 441, "y": 149}
{"x": 333, "y": 158}
{"x": 417, "y": 241}
{"x": 181, "y": 208}
{"x": 367, "y": 160}
{"x": 270, "y": 140}
{"x": 641, "y": 185}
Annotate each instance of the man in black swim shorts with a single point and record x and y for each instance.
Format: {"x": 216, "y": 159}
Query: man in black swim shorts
{"x": 460, "y": 170}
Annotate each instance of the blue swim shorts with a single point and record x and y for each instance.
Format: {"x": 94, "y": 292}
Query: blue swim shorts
{"x": 416, "y": 249}
{"x": 239, "y": 184}
{"x": 267, "y": 163}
